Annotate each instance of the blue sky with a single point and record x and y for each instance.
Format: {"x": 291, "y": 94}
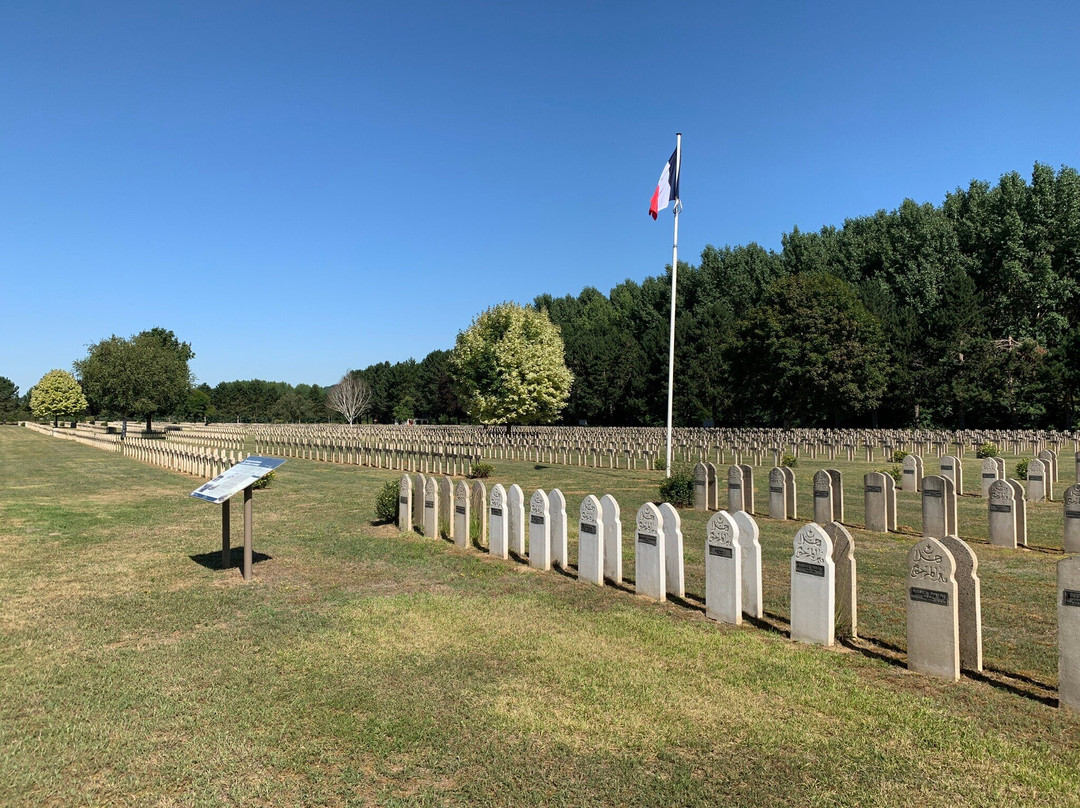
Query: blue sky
{"x": 301, "y": 188}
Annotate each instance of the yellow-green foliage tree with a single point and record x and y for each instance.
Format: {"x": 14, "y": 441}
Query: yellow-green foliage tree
{"x": 509, "y": 367}
{"x": 56, "y": 396}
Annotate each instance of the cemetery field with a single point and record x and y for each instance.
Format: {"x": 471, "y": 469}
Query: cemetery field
{"x": 363, "y": 666}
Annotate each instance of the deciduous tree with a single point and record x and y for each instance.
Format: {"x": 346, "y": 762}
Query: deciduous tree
{"x": 145, "y": 375}
{"x": 351, "y": 396}
{"x": 57, "y": 396}
{"x": 509, "y": 367}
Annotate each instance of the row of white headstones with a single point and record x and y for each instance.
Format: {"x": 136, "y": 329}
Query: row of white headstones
{"x": 944, "y": 623}
{"x": 1007, "y": 500}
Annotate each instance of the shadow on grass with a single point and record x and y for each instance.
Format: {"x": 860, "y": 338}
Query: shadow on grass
{"x": 212, "y": 561}
{"x": 1014, "y": 683}
{"x": 686, "y": 602}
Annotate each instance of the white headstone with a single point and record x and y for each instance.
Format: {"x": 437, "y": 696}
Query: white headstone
{"x": 1068, "y": 614}
{"x": 1038, "y": 482}
{"x": 735, "y": 489}
{"x": 591, "y": 541}
{"x": 1072, "y": 518}
{"x": 823, "y": 505}
{"x": 813, "y": 587}
{"x": 778, "y": 496}
{"x": 462, "y": 521}
{"x": 874, "y": 486}
{"x": 539, "y": 531}
{"x": 723, "y": 569}
{"x": 446, "y": 505}
{"x": 1002, "y": 514}
{"x": 933, "y": 627}
{"x": 498, "y": 534}
{"x": 431, "y": 508}
{"x": 911, "y": 473}
{"x": 989, "y": 474}
{"x": 650, "y": 572}
{"x": 953, "y": 469}
{"x": 938, "y": 506}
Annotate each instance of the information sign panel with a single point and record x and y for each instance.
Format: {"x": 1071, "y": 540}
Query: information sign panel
{"x": 236, "y": 479}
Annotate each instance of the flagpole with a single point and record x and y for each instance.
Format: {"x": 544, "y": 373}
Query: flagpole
{"x": 674, "y": 277}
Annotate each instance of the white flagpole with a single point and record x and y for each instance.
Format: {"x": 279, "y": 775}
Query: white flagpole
{"x": 674, "y": 277}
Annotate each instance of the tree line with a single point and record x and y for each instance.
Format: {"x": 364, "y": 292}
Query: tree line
{"x": 962, "y": 315}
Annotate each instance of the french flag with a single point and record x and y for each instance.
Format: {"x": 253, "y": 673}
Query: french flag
{"x": 667, "y": 190}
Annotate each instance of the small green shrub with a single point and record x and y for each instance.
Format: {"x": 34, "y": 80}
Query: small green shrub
{"x": 898, "y": 456}
{"x": 264, "y": 481}
{"x": 987, "y": 450}
{"x": 386, "y": 502}
{"x": 481, "y": 470}
{"x": 1021, "y": 469}
{"x": 897, "y": 473}
{"x": 678, "y": 489}
{"x": 789, "y": 460}
{"x": 661, "y": 464}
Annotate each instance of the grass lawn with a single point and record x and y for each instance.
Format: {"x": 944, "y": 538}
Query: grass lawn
{"x": 363, "y": 666}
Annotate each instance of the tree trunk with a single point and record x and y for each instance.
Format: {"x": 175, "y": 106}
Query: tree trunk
{"x": 148, "y": 426}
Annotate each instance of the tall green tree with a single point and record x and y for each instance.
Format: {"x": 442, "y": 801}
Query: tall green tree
{"x": 57, "y": 395}
{"x": 810, "y": 354}
{"x": 10, "y": 402}
{"x": 144, "y": 375}
{"x": 509, "y": 367}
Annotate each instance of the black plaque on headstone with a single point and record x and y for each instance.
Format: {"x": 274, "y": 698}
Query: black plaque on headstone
{"x": 587, "y": 528}
{"x": 776, "y": 489}
{"x": 496, "y": 511}
{"x": 645, "y": 538}
{"x": 429, "y": 503}
{"x": 459, "y": 509}
{"x": 403, "y": 500}
{"x": 933, "y": 596}
{"x": 936, "y": 493}
{"x": 946, "y": 468}
{"x": 1070, "y": 597}
{"x": 536, "y": 519}
{"x": 909, "y": 471}
{"x": 733, "y": 486}
{"x": 822, "y": 494}
{"x": 722, "y": 552}
{"x": 990, "y": 476}
{"x": 806, "y": 568}
{"x": 1035, "y": 477}
{"x": 996, "y": 508}
{"x": 1072, "y": 514}
{"x": 873, "y": 489}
